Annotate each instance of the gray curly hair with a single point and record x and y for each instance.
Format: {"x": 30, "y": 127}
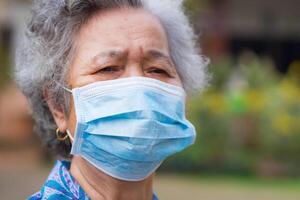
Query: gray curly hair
{"x": 45, "y": 50}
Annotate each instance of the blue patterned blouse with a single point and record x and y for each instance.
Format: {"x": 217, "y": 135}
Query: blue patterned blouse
{"x": 62, "y": 185}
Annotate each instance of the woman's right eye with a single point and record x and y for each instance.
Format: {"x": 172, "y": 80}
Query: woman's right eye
{"x": 110, "y": 69}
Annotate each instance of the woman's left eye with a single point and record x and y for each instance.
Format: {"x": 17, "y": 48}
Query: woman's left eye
{"x": 158, "y": 71}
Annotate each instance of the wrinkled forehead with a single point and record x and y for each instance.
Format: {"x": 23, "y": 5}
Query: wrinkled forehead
{"x": 123, "y": 26}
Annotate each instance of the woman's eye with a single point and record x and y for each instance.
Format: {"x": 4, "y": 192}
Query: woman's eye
{"x": 157, "y": 71}
{"x": 110, "y": 69}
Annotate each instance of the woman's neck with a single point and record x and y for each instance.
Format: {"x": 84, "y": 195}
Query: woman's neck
{"x": 100, "y": 186}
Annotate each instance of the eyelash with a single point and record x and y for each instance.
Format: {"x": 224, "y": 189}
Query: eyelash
{"x": 158, "y": 71}
{"x": 110, "y": 69}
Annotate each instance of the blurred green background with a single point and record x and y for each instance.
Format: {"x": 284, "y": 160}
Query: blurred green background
{"x": 248, "y": 144}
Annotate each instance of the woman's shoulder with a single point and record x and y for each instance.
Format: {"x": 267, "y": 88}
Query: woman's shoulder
{"x": 60, "y": 185}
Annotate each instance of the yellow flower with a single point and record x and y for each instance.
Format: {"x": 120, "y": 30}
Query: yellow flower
{"x": 283, "y": 123}
{"x": 215, "y": 103}
{"x": 289, "y": 91}
{"x": 256, "y": 100}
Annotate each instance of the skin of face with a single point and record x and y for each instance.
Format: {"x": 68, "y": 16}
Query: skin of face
{"x": 116, "y": 44}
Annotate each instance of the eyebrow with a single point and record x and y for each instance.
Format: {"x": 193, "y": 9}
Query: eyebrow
{"x": 156, "y": 54}
{"x": 114, "y": 54}
{"x": 151, "y": 54}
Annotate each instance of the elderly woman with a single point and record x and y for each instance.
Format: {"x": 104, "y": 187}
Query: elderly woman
{"x": 107, "y": 82}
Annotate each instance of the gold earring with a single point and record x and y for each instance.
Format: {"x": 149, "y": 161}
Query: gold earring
{"x": 61, "y": 136}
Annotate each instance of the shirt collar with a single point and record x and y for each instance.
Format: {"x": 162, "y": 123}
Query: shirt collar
{"x": 62, "y": 185}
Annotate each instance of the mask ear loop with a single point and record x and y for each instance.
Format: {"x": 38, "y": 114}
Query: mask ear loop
{"x": 63, "y": 87}
{"x": 70, "y": 91}
{"x": 70, "y": 135}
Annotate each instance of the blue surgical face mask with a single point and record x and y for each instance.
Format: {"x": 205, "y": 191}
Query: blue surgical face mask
{"x": 127, "y": 127}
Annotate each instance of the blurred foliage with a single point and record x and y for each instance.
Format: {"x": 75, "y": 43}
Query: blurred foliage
{"x": 247, "y": 121}
{"x": 4, "y": 65}
{"x": 193, "y": 7}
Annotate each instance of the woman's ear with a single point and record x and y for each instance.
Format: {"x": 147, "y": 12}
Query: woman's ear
{"x": 57, "y": 112}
